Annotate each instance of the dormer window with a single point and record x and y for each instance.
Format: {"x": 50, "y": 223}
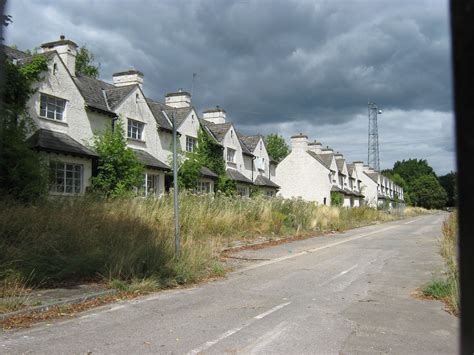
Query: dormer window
{"x": 52, "y": 107}
{"x": 231, "y": 134}
{"x": 55, "y": 68}
{"x": 135, "y": 129}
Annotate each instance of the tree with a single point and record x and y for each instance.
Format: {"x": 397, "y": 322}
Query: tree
{"x": 276, "y": 146}
{"x": 85, "y": 63}
{"x": 23, "y": 174}
{"x": 118, "y": 173}
{"x": 412, "y": 169}
{"x": 427, "y": 192}
{"x": 448, "y": 182}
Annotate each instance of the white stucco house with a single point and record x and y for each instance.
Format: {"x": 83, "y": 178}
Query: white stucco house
{"x": 303, "y": 174}
{"x": 247, "y": 161}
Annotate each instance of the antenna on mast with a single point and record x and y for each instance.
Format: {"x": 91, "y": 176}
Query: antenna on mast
{"x": 192, "y": 86}
{"x": 373, "y": 147}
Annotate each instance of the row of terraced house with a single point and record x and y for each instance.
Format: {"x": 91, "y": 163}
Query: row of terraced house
{"x": 69, "y": 109}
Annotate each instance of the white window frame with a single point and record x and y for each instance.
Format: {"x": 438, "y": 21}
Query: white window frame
{"x": 151, "y": 185}
{"x": 135, "y": 129}
{"x": 242, "y": 190}
{"x": 67, "y": 173}
{"x": 203, "y": 187}
{"x": 230, "y": 156}
{"x": 190, "y": 143}
{"x": 52, "y": 108}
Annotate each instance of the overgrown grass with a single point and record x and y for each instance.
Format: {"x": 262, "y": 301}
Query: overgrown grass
{"x": 447, "y": 289}
{"x": 128, "y": 240}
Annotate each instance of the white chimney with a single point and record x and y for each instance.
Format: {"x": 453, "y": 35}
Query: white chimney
{"x": 67, "y": 51}
{"x": 299, "y": 143}
{"x": 214, "y": 115}
{"x": 327, "y": 150}
{"x": 178, "y": 99}
{"x": 315, "y": 147}
{"x": 129, "y": 77}
{"x": 338, "y": 156}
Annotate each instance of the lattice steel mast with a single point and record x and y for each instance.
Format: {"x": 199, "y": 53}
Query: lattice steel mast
{"x": 373, "y": 149}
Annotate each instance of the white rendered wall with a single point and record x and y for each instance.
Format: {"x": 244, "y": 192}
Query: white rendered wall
{"x": 77, "y": 122}
{"x": 135, "y": 107}
{"x": 231, "y": 140}
{"x": 189, "y": 127}
{"x": 300, "y": 175}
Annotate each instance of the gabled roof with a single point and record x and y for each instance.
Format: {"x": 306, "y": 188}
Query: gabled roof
{"x": 264, "y": 181}
{"x": 149, "y": 160}
{"x": 58, "y": 142}
{"x": 250, "y": 141}
{"x": 218, "y": 130}
{"x": 208, "y": 173}
{"x": 237, "y": 176}
{"x": 157, "y": 109}
{"x": 92, "y": 90}
{"x": 373, "y": 176}
{"x": 117, "y": 94}
{"x": 318, "y": 158}
{"x": 180, "y": 114}
{"x": 340, "y": 165}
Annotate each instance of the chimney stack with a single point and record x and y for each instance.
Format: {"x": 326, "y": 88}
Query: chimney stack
{"x": 178, "y": 99}
{"x": 67, "y": 51}
{"x": 315, "y": 147}
{"x": 129, "y": 77}
{"x": 215, "y": 115}
{"x": 299, "y": 143}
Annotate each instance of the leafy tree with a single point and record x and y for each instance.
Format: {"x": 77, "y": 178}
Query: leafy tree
{"x": 427, "y": 192}
{"x": 412, "y": 169}
{"x": 85, "y": 63}
{"x": 448, "y": 182}
{"x": 118, "y": 171}
{"x": 276, "y": 146}
{"x": 23, "y": 173}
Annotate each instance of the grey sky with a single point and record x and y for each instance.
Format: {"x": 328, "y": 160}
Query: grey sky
{"x": 278, "y": 66}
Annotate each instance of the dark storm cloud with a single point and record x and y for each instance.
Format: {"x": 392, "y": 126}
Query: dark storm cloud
{"x": 266, "y": 62}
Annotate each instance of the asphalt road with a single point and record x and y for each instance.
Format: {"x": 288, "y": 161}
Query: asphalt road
{"x": 346, "y": 293}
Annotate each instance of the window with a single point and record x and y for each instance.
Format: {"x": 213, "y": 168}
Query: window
{"x": 135, "y": 129}
{"x": 52, "y": 107}
{"x": 150, "y": 185}
{"x": 65, "y": 178}
{"x": 55, "y": 68}
{"x": 242, "y": 191}
{"x": 341, "y": 180}
{"x": 190, "y": 143}
{"x": 203, "y": 187}
{"x": 230, "y": 155}
{"x": 270, "y": 193}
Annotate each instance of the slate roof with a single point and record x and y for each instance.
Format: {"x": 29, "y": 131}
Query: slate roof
{"x": 13, "y": 53}
{"x": 373, "y": 176}
{"x": 115, "y": 95}
{"x": 149, "y": 160}
{"x": 208, "y": 173}
{"x": 264, "y": 181}
{"x": 157, "y": 108}
{"x": 237, "y": 176}
{"x": 336, "y": 189}
{"x": 218, "y": 130}
{"x": 340, "y": 166}
{"x": 250, "y": 141}
{"x": 58, "y": 142}
{"x": 326, "y": 159}
{"x": 318, "y": 158}
{"x": 180, "y": 114}
{"x": 91, "y": 90}
{"x": 348, "y": 192}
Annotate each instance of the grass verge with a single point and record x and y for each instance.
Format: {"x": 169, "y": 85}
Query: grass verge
{"x": 447, "y": 288}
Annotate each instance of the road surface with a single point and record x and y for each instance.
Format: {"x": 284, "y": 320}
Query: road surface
{"x": 347, "y": 293}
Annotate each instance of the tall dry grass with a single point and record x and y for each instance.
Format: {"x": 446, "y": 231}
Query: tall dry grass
{"x": 124, "y": 239}
{"x": 449, "y": 252}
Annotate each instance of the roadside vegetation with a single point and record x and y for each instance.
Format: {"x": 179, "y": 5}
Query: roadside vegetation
{"x": 446, "y": 288}
{"x": 130, "y": 242}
